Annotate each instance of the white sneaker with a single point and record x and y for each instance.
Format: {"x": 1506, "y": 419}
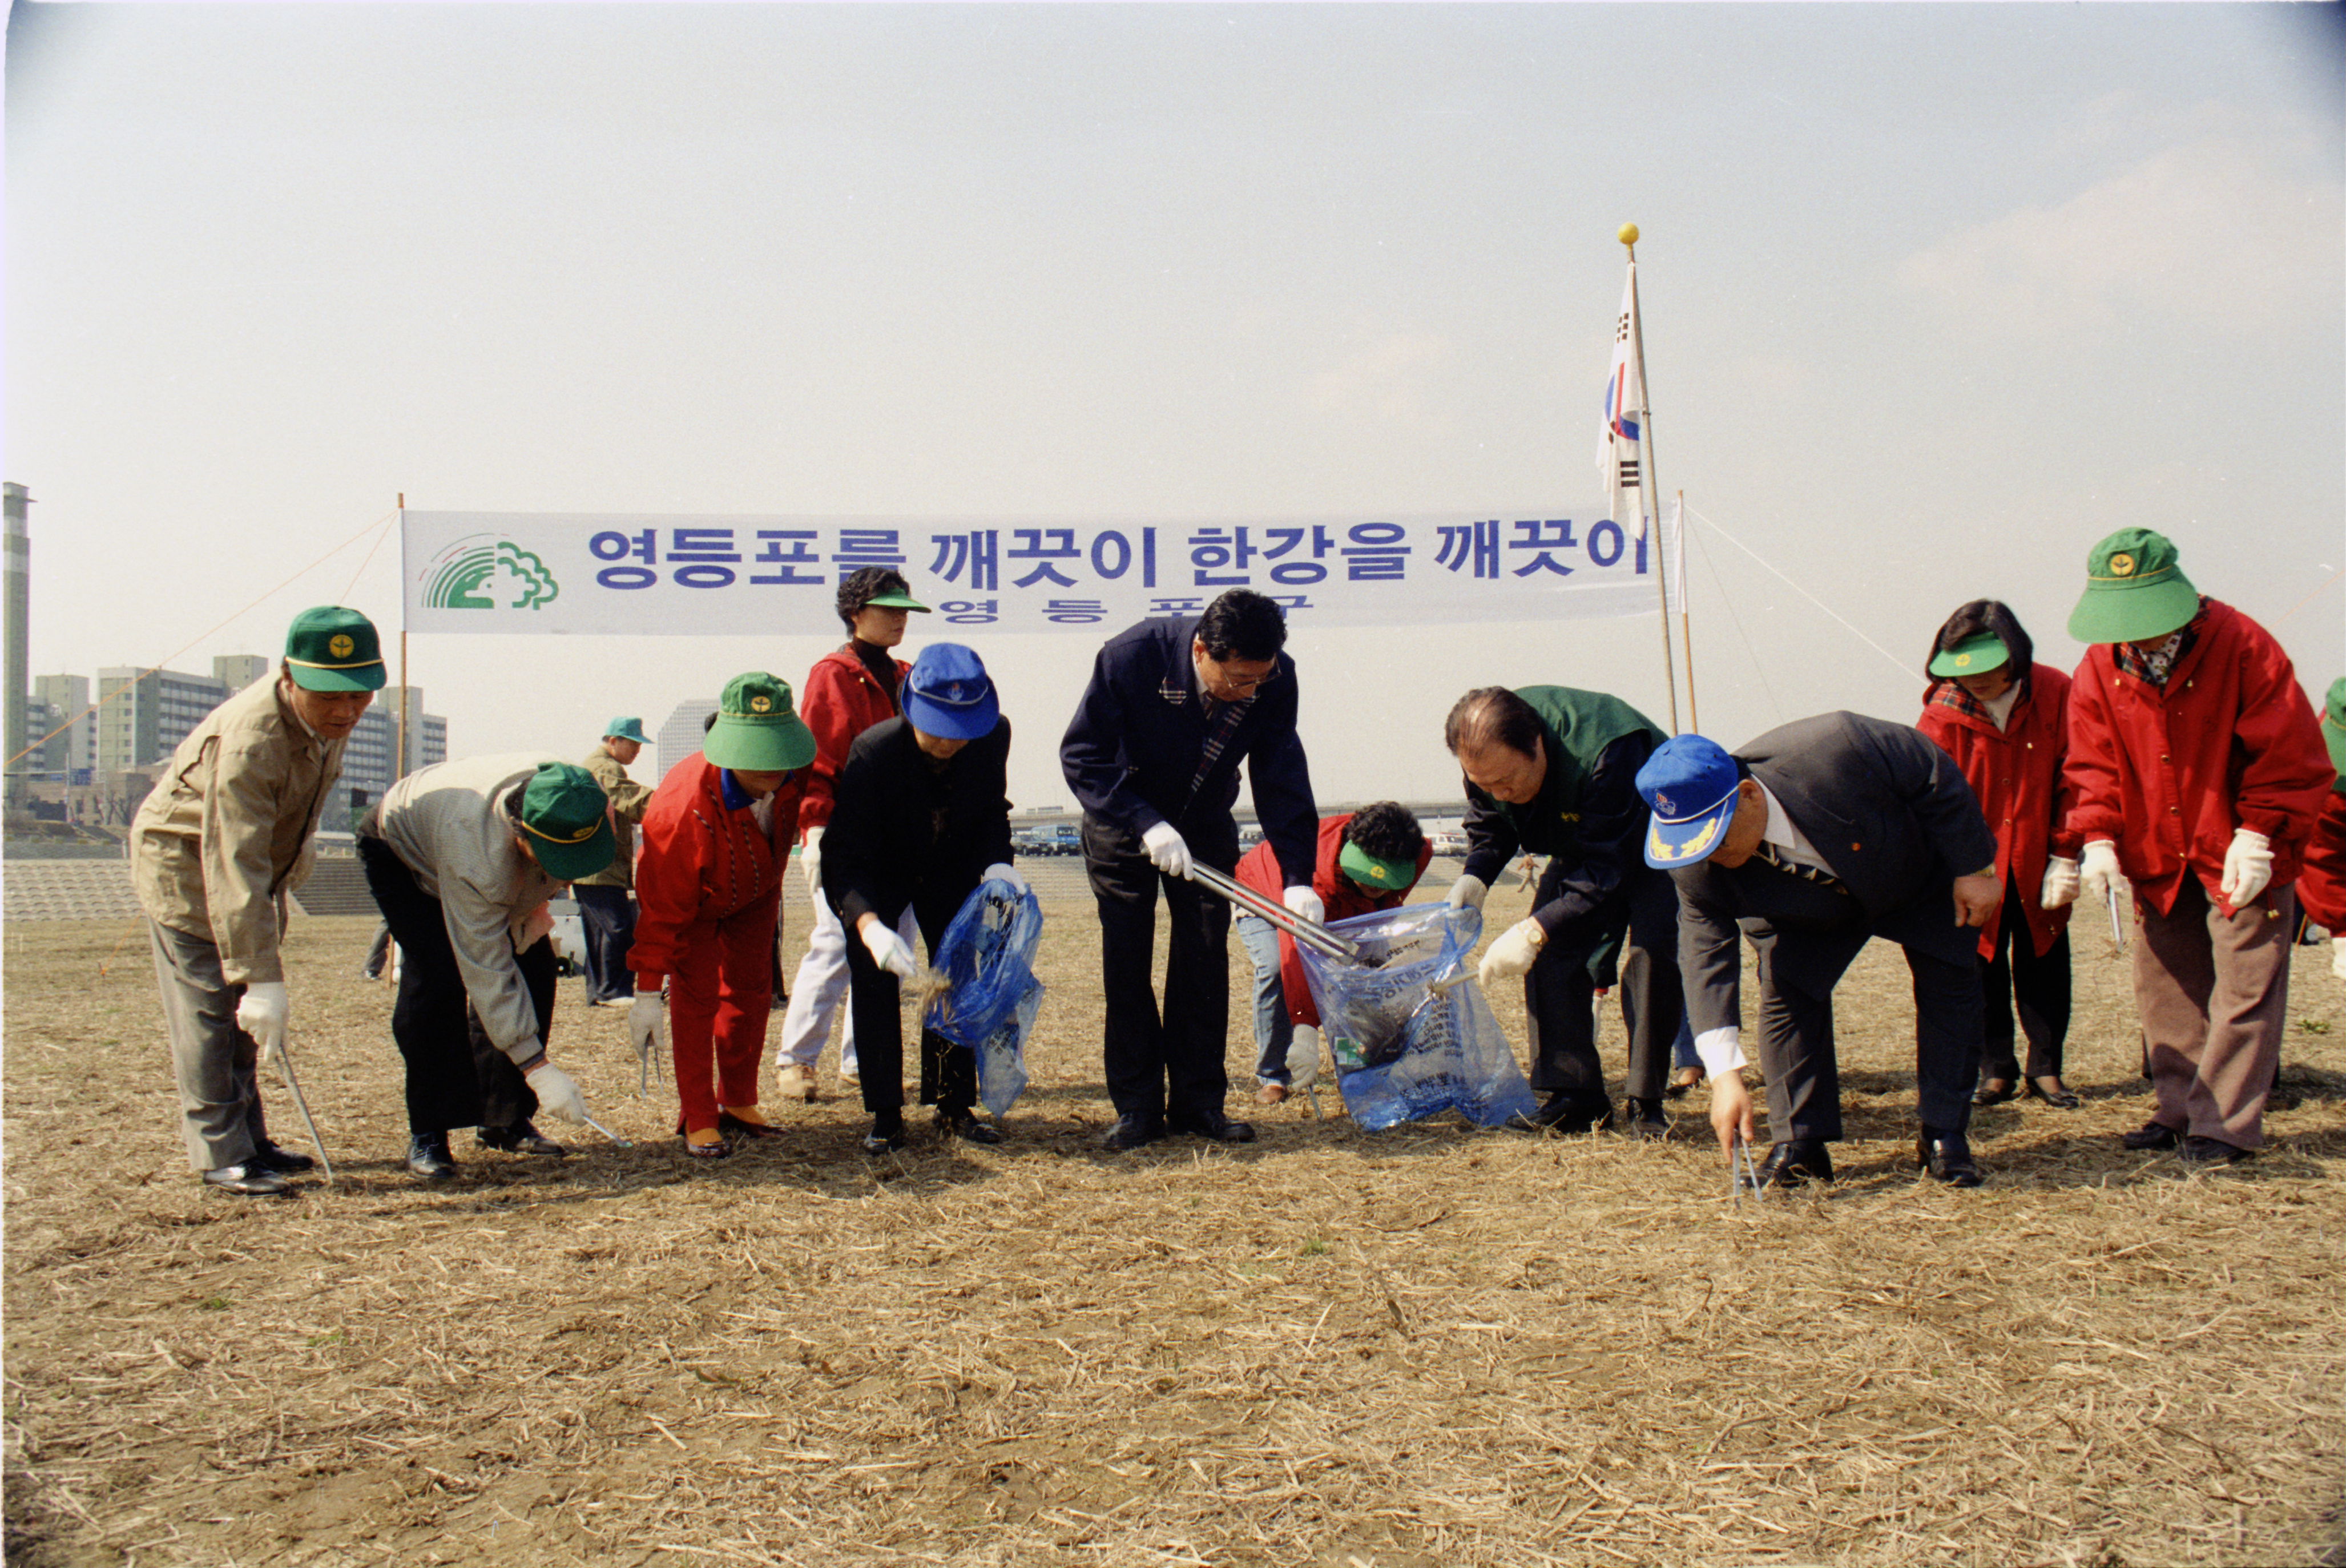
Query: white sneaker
{"x": 798, "y": 1083}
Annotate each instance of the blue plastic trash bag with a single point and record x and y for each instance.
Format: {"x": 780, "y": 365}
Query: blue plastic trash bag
{"x": 1403, "y": 1052}
{"x": 988, "y": 956}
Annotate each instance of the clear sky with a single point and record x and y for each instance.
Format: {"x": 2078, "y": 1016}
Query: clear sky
{"x": 1936, "y": 296}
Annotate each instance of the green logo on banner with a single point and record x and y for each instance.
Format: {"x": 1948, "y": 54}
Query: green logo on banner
{"x": 487, "y": 573}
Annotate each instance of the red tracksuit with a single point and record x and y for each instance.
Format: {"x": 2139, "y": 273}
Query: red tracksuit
{"x": 842, "y": 700}
{"x": 2321, "y": 885}
{"x": 1258, "y": 868}
{"x": 2017, "y": 772}
{"x": 710, "y": 887}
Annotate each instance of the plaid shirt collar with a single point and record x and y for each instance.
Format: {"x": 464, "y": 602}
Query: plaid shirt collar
{"x": 2152, "y": 668}
{"x": 1947, "y": 694}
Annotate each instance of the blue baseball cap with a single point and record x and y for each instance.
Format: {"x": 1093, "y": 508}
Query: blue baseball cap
{"x": 1690, "y": 781}
{"x": 950, "y": 694}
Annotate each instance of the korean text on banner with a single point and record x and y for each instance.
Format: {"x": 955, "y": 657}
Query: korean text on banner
{"x": 587, "y": 574}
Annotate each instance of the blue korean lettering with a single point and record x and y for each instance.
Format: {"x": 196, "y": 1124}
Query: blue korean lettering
{"x": 703, "y": 546}
{"x": 1606, "y": 543}
{"x": 1376, "y": 553}
{"x": 971, "y": 612}
{"x": 860, "y": 547}
{"x": 1165, "y": 609}
{"x": 1286, "y": 541}
{"x": 1545, "y": 538}
{"x": 614, "y": 547}
{"x": 977, "y": 552}
{"x": 1077, "y": 612}
{"x": 1100, "y": 555}
{"x": 1477, "y": 542}
{"x": 1219, "y": 549}
{"x": 1032, "y": 547}
{"x": 1290, "y": 603}
{"x": 799, "y": 554}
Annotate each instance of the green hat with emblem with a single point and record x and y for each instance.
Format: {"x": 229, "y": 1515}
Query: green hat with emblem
{"x": 1973, "y": 655}
{"x": 566, "y": 819}
{"x": 757, "y": 728}
{"x": 2333, "y": 725}
{"x": 1373, "y": 871}
{"x": 2135, "y": 591}
{"x": 330, "y": 648}
{"x": 626, "y": 729}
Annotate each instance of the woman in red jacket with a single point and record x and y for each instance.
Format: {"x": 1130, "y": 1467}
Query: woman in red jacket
{"x": 717, "y": 837}
{"x": 2321, "y": 886}
{"x": 2004, "y": 720}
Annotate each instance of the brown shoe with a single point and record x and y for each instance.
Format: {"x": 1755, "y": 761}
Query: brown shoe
{"x": 798, "y": 1083}
{"x": 1682, "y": 1080}
{"x": 1270, "y": 1095}
{"x": 744, "y": 1122}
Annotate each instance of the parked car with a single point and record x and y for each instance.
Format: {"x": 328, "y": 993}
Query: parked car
{"x": 1452, "y": 845}
{"x": 569, "y": 936}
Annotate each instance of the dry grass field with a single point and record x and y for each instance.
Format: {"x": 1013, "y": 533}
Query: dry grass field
{"x": 1435, "y": 1346}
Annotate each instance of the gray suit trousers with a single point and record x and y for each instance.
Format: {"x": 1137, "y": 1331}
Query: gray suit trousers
{"x": 219, "y": 1095}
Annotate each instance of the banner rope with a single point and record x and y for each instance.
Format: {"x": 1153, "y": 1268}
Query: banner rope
{"x": 1796, "y": 587}
{"x": 1751, "y": 658}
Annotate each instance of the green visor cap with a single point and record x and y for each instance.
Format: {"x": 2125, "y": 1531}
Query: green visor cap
{"x": 896, "y": 601}
{"x": 1973, "y": 655}
{"x": 626, "y": 729}
{"x": 2135, "y": 591}
{"x": 1387, "y": 876}
{"x": 2333, "y": 724}
{"x": 567, "y": 821}
{"x": 330, "y": 648}
{"x": 757, "y": 729}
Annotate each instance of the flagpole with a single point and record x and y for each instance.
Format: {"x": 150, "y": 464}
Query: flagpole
{"x": 1646, "y": 487}
{"x": 399, "y": 741}
{"x": 1686, "y": 625}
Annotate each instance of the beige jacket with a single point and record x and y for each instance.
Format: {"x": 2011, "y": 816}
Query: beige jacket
{"x": 447, "y": 824}
{"x": 629, "y": 799}
{"x": 231, "y": 829}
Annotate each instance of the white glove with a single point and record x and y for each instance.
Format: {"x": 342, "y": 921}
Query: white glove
{"x": 2098, "y": 872}
{"x": 2061, "y": 882}
{"x": 556, "y": 1094}
{"x": 1513, "y": 953}
{"x": 2247, "y": 867}
{"x": 1165, "y": 851}
{"x": 261, "y": 1015}
{"x": 811, "y": 860}
{"x": 1004, "y": 872}
{"x": 1303, "y": 1057}
{"x": 647, "y": 1021}
{"x": 2338, "y": 956}
{"x": 1466, "y": 892}
{"x": 888, "y": 951}
{"x": 1304, "y": 904}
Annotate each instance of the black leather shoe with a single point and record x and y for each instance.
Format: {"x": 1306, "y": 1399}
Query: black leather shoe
{"x": 1644, "y": 1119}
{"x": 2151, "y": 1135}
{"x": 962, "y": 1125}
{"x": 284, "y": 1162}
{"x": 886, "y": 1136}
{"x": 1682, "y": 1080}
{"x": 524, "y": 1139}
{"x": 733, "y": 1126}
{"x": 1995, "y": 1091}
{"x": 2060, "y": 1096}
{"x": 1795, "y": 1162}
{"x": 428, "y": 1157}
{"x": 251, "y": 1179}
{"x": 2198, "y": 1151}
{"x": 1566, "y": 1112}
{"x": 1214, "y": 1127}
{"x": 1948, "y": 1157}
{"x": 1132, "y": 1133}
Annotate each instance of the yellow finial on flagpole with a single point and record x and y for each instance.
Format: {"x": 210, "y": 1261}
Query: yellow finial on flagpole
{"x": 1628, "y": 234}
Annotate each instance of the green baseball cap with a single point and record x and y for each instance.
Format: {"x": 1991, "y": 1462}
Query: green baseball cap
{"x": 2333, "y": 724}
{"x": 1370, "y": 872}
{"x": 626, "y": 729}
{"x": 330, "y": 648}
{"x": 567, "y": 821}
{"x": 2135, "y": 591}
{"x": 1973, "y": 655}
{"x": 756, "y": 729}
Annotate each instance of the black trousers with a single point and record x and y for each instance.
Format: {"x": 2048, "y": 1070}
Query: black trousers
{"x": 948, "y": 1072}
{"x": 1559, "y": 991}
{"x": 1170, "y": 1063}
{"x": 1798, "y": 970}
{"x": 609, "y": 916}
{"x": 2038, "y": 985}
{"x": 455, "y": 1076}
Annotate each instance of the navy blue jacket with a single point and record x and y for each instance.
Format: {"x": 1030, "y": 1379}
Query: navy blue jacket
{"x": 1132, "y": 751}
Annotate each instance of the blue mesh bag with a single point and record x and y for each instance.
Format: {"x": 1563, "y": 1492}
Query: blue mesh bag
{"x": 987, "y": 957}
{"x": 1403, "y": 1052}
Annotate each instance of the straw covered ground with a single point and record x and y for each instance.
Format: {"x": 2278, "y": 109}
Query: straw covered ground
{"x": 1437, "y": 1345}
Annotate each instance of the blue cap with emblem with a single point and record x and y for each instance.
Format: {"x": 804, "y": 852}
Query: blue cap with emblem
{"x": 1690, "y": 781}
{"x": 950, "y": 694}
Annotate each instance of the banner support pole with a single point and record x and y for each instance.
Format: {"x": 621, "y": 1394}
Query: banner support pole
{"x": 399, "y": 741}
{"x": 1685, "y": 624}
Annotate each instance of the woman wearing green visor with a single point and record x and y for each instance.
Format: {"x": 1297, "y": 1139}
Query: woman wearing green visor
{"x": 2006, "y": 721}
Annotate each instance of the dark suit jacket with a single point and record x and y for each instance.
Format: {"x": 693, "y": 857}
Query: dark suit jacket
{"x": 1892, "y": 818}
{"x": 882, "y": 845}
{"x": 1131, "y": 752}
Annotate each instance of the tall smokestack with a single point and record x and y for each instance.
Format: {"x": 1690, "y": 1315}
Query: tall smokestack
{"x": 18, "y": 673}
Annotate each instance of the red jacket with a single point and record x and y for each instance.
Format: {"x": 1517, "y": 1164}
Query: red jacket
{"x": 2017, "y": 772}
{"x": 842, "y": 700}
{"x": 2321, "y": 886}
{"x": 2168, "y": 775}
{"x": 1258, "y": 868}
{"x": 703, "y": 863}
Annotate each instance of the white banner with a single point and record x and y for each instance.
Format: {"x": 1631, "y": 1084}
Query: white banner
{"x": 633, "y": 573}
